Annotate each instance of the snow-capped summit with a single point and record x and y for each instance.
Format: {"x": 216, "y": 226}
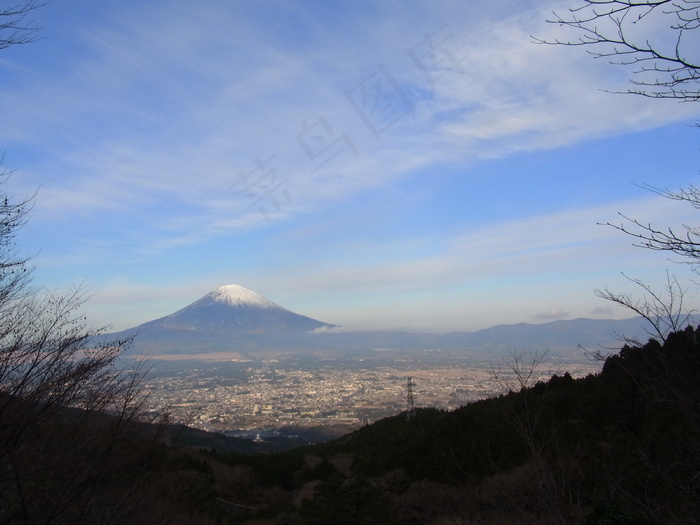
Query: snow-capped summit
{"x": 230, "y": 317}
{"x": 236, "y": 295}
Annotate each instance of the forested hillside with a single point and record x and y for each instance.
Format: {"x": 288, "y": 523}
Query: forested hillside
{"x": 618, "y": 447}
{"x": 622, "y": 446}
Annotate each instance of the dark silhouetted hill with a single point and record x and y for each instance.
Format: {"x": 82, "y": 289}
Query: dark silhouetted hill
{"x": 618, "y": 447}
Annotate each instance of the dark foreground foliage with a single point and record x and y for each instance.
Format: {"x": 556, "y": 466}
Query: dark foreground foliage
{"x": 617, "y": 448}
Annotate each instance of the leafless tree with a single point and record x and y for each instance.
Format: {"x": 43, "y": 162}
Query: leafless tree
{"x": 627, "y": 33}
{"x": 75, "y": 435}
{"x": 518, "y": 370}
{"x": 15, "y": 27}
{"x": 518, "y": 375}
{"x": 685, "y": 243}
{"x": 660, "y": 38}
{"x": 74, "y": 432}
{"x": 663, "y": 311}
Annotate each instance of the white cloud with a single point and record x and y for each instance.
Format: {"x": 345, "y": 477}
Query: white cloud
{"x": 527, "y": 96}
{"x": 189, "y": 100}
{"x": 555, "y": 313}
{"x": 147, "y": 117}
{"x": 602, "y": 310}
{"x": 333, "y": 330}
{"x": 536, "y": 249}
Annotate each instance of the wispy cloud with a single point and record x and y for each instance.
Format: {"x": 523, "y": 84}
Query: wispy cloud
{"x": 158, "y": 132}
{"x": 555, "y": 313}
{"x": 177, "y": 111}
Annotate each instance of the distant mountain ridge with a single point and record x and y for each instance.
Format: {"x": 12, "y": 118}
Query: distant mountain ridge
{"x": 228, "y": 318}
{"x": 234, "y": 320}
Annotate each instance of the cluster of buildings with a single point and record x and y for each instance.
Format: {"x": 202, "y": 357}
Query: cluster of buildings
{"x": 269, "y": 396}
{"x": 229, "y": 398}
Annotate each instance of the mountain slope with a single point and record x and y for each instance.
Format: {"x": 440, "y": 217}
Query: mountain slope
{"x": 233, "y": 309}
{"x": 235, "y": 320}
{"x": 229, "y": 318}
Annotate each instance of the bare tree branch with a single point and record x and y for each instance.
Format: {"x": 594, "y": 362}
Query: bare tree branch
{"x": 668, "y": 65}
{"x": 519, "y": 375}
{"x": 685, "y": 244}
{"x": 15, "y": 28}
{"x": 70, "y": 417}
{"x": 519, "y": 371}
{"x": 664, "y": 312}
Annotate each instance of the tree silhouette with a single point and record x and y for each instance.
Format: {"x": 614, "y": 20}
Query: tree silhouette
{"x": 685, "y": 243}
{"x": 15, "y": 28}
{"x": 627, "y": 33}
{"x": 75, "y": 439}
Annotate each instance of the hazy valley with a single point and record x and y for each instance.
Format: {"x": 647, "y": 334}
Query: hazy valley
{"x": 437, "y": 166}
{"x": 250, "y": 381}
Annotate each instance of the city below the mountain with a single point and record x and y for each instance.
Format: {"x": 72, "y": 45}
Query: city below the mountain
{"x": 236, "y": 362}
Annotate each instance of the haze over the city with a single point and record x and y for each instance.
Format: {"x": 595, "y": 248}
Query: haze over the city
{"x": 372, "y": 165}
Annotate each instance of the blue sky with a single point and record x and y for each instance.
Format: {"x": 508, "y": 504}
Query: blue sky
{"x": 320, "y": 155}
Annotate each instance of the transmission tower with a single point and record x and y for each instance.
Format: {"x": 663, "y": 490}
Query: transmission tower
{"x": 411, "y": 411}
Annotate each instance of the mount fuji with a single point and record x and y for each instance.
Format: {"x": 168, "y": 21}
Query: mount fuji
{"x": 233, "y": 322}
{"x": 230, "y": 318}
